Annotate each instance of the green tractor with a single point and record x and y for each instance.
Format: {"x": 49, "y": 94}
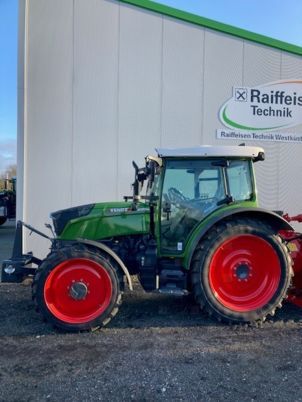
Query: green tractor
{"x": 191, "y": 227}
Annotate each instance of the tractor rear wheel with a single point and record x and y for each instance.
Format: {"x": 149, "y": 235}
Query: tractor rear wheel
{"x": 77, "y": 289}
{"x": 241, "y": 271}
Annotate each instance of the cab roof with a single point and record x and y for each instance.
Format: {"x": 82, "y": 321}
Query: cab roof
{"x": 208, "y": 151}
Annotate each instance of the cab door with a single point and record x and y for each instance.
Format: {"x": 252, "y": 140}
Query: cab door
{"x": 191, "y": 191}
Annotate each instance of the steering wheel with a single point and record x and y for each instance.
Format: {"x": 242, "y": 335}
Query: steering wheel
{"x": 176, "y": 197}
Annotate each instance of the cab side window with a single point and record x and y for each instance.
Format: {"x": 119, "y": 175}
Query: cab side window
{"x": 240, "y": 182}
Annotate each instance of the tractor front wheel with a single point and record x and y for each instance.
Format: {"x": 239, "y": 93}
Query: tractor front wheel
{"x": 241, "y": 271}
{"x": 77, "y": 289}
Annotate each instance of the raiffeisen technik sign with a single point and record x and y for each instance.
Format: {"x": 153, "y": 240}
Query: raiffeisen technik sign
{"x": 268, "y": 109}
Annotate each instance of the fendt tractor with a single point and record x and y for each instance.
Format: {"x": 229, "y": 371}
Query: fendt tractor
{"x": 191, "y": 227}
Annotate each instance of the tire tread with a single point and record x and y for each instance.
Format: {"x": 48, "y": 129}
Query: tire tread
{"x": 204, "y": 247}
{"x": 67, "y": 253}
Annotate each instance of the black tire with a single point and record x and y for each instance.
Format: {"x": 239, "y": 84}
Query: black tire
{"x": 229, "y": 275}
{"x": 3, "y": 219}
{"x": 72, "y": 303}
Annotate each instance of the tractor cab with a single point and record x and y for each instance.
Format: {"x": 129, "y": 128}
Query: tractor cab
{"x": 192, "y": 183}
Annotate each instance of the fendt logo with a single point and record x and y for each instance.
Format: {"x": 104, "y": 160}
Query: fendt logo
{"x": 276, "y": 105}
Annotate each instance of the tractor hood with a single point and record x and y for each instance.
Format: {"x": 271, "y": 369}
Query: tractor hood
{"x": 101, "y": 220}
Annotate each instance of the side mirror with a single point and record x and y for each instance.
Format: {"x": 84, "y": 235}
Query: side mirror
{"x": 260, "y": 157}
{"x": 135, "y": 166}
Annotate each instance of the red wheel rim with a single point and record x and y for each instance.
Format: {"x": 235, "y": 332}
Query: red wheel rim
{"x": 78, "y": 290}
{"x": 244, "y": 273}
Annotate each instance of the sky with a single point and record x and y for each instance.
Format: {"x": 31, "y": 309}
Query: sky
{"x": 8, "y": 82}
{"x": 278, "y": 19}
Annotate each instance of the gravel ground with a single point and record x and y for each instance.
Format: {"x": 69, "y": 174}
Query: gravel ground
{"x": 157, "y": 348}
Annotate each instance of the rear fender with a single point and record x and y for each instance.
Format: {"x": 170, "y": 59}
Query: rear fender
{"x": 276, "y": 221}
{"x": 112, "y": 254}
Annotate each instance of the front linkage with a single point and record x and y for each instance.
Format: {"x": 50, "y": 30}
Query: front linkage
{"x": 21, "y": 265}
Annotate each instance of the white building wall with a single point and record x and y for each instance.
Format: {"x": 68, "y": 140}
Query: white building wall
{"x": 223, "y": 68}
{"x": 290, "y": 156}
{"x": 48, "y": 129}
{"x": 139, "y": 92}
{"x": 262, "y": 64}
{"x": 105, "y": 83}
{"x": 95, "y": 100}
{"x": 182, "y": 84}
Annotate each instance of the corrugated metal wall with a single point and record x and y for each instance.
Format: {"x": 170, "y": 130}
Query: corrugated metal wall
{"x": 106, "y": 82}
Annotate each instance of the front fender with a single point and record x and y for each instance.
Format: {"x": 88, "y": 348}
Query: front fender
{"x": 112, "y": 254}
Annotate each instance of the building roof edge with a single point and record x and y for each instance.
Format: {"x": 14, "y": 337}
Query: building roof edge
{"x": 217, "y": 26}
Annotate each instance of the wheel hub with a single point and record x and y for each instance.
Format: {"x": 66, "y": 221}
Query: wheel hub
{"x": 78, "y": 291}
{"x": 242, "y": 271}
